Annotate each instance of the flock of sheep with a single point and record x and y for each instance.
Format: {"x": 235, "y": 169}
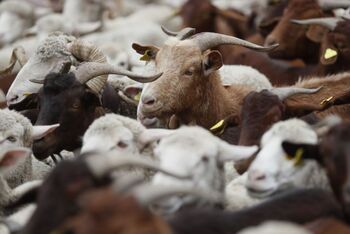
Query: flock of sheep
{"x": 174, "y": 116}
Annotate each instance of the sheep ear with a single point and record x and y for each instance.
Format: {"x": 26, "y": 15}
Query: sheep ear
{"x": 13, "y": 156}
{"x": 212, "y": 62}
{"x": 308, "y": 151}
{"x": 235, "y": 153}
{"x": 41, "y": 131}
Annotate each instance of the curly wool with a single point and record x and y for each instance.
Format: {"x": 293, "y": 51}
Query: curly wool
{"x": 10, "y": 118}
{"x": 54, "y": 45}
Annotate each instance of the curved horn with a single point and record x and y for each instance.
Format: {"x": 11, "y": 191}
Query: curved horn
{"x": 285, "y": 92}
{"x": 149, "y": 194}
{"x": 333, "y": 4}
{"x": 127, "y": 99}
{"x": 88, "y": 71}
{"x": 101, "y": 166}
{"x": 18, "y": 54}
{"x": 87, "y": 52}
{"x": 329, "y": 23}
{"x": 208, "y": 40}
{"x": 182, "y": 35}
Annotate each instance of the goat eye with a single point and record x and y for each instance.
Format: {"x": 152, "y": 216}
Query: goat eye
{"x": 189, "y": 73}
{"x": 76, "y": 105}
{"x": 205, "y": 159}
{"x": 12, "y": 139}
{"x": 122, "y": 144}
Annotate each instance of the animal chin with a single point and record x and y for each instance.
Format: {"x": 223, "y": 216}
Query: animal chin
{"x": 43, "y": 149}
{"x": 260, "y": 193}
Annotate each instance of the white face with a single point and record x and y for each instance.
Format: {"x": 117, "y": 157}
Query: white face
{"x": 273, "y": 169}
{"x": 12, "y": 136}
{"x": 189, "y": 153}
{"x": 119, "y": 140}
{"x": 11, "y": 27}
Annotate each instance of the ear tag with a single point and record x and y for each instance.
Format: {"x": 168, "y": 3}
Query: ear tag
{"x": 146, "y": 56}
{"x": 137, "y": 97}
{"x": 26, "y": 94}
{"x": 326, "y": 101}
{"x": 218, "y": 128}
{"x": 330, "y": 53}
{"x": 298, "y": 156}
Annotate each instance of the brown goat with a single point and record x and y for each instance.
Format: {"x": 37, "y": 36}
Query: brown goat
{"x": 105, "y": 212}
{"x": 296, "y": 41}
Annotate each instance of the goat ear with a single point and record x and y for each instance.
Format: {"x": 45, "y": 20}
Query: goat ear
{"x": 133, "y": 91}
{"x": 148, "y": 52}
{"x": 41, "y": 131}
{"x": 309, "y": 151}
{"x": 234, "y": 153}
{"x": 316, "y": 33}
{"x": 13, "y": 156}
{"x": 212, "y": 62}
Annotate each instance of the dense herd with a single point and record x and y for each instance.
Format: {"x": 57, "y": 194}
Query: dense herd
{"x": 174, "y": 116}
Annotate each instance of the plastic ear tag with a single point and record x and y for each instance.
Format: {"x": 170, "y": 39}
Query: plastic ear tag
{"x": 26, "y": 94}
{"x": 146, "y": 56}
{"x": 298, "y": 156}
{"x": 330, "y": 53}
{"x": 137, "y": 97}
{"x": 218, "y": 125}
{"x": 327, "y": 100}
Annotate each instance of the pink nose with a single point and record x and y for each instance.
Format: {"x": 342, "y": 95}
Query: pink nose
{"x": 256, "y": 175}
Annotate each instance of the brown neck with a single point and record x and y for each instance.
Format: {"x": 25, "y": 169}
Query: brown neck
{"x": 214, "y": 103}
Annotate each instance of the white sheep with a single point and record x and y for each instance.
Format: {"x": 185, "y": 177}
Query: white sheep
{"x": 17, "y": 131}
{"x": 275, "y": 227}
{"x": 273, "y": 170}
{"x": 195, "y": 152}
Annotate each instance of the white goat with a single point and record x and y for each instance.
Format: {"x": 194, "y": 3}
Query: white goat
{"x": 17, "y": 131}
{"x": 195, "y": 152}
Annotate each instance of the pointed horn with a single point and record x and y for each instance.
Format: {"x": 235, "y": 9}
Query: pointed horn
{"x": 112, "y": 162}
{"x": 182, "y": 35}
{"x": 209, "y": 40}
{"x": 18, "y": 54}
{"x": 285, "y": 92}
{"x": 88, "y": 71}
{"x": 329, "y": 23}
{"x": 149, "y": 194}
{"x": 87, "y": 52}
{"x": 333, "y": 4}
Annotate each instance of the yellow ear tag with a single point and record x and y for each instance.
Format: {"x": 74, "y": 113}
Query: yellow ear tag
{"x": 146, "y": 56}
{"x": 26, "y": 94}
{"x": 330, "y": 53}
{"x": 298, "y": 156}
{"x": 137, "y": 97}
{"x": 218, "y": 125}
{"x": 327, "y": 100}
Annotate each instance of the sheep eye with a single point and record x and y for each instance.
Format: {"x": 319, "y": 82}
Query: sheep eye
{"x": 122, "y": 144}
{"x": 12, "y": 139}
{"x": 205, "y": 159}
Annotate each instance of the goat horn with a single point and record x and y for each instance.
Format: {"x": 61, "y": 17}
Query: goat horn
{"x": 87, "y": 52}
{"x": 149, "y": 194}
{"x": 333, "y": 4}
{"x": 112, "y": 162}
{"x": 285, "y": 92}
{"x": 329, "y": 23}
{"x": 208, "y": 40}
{"x": 182, "y": 35}
{"x": 18, "y": 54}
{"x": 37, "y": 81}
{"x": 88, "y": 71}
{"x": 127, "y": 99}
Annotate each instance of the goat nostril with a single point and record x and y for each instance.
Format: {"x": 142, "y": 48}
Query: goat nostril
{"x": 148, "y": 100}
{"x": 261, "y": 177}
{"x": 14, "y": 98}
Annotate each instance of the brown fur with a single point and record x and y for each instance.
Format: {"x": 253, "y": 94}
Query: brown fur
{"x": 328, "y": 226}
{"x": 105, "y": 212}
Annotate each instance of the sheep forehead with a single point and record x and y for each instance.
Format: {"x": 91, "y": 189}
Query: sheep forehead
{"x": 292, "y": 130}
{"x": 13, "y": 121}
{"x": 53, "y": 46}
{"x": 190, "y": 139}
